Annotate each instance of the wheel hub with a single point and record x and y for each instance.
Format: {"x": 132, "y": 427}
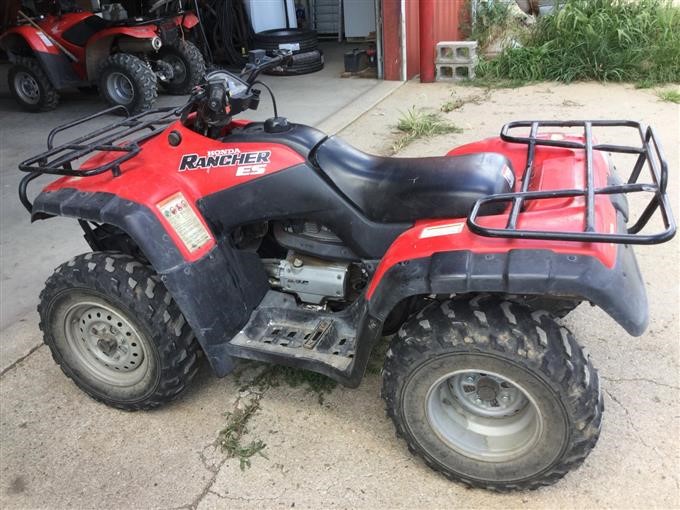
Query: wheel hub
{"x": 27, "y": 87}
{"x": 178, "y": 71}
{"x": 164, "y": 70}
{"x": 119, "y": 88}
{"x": 486, "y": 395}
{"x": 483, "y": 415}
{"x": 487, "y": 389}
{"x": 106, "y": 343}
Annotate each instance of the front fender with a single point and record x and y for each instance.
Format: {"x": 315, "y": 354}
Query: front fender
{"x": 27, "y": 36}
{"x": 215, "y": 293}
{"x": 25, "y": 39}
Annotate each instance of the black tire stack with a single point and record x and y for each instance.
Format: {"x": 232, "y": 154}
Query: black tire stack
{"x": 307, "y": 57}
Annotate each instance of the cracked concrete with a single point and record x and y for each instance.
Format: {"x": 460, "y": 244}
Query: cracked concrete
{"x": 60, "y": 449}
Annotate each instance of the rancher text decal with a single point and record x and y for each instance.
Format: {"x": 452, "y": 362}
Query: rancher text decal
{"x": 248, "y": 163}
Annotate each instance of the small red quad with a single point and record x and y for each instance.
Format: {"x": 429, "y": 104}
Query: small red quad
{"x": 272, "y": 241}
{"x": 126, "y": 60}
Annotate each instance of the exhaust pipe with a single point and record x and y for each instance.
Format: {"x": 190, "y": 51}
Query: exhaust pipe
{"x": 132, "y": 45}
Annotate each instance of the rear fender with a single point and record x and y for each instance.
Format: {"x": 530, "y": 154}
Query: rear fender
{"x": 100, "y": 44}
{"x": 609, "y": 278}
{"x": 216, "y": 292}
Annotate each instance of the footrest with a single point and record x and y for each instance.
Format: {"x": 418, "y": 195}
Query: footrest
{"x": 278, "y": 330}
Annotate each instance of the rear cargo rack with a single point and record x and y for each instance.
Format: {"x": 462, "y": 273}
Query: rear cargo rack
{"x": 650, "y": 155}
{"x": 121, "y": 139}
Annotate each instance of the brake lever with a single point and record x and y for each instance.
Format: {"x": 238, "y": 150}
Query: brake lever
{"x": 196, "y": 96}
{"x": 258, "y": 62}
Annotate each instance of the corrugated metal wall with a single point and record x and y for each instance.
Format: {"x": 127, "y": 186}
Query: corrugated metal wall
{"x": 448, "y": 17}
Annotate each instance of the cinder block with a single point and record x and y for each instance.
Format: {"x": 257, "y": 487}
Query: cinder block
{"x": 455, "y": 72}
{"x": 456, "y": 52}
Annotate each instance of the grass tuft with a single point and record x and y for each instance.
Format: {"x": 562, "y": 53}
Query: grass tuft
{"x": 275, "y": 375}
{"x": 604, "y": 40}
{"x": 231, "y": 435}
{"x": 415, "y": 124}
{"x": 670, "y": 96}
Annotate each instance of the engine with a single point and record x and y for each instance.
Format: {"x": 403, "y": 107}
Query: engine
{"x": 313, "y": 239}
{"x": 313, "y": 280}
{"x": 318, "y": 267}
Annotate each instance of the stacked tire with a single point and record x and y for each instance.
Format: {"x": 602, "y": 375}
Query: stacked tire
{"x": 307, "y": 57}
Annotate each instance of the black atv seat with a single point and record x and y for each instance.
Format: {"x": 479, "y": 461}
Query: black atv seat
{"x": 81, "y": 32}
{"x": 393, "y": 190}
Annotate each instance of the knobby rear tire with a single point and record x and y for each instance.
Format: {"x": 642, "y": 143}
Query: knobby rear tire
{"x": 499, "y": 336}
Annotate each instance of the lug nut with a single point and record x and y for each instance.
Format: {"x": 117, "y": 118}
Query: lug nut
{"x": 297, "y": 263}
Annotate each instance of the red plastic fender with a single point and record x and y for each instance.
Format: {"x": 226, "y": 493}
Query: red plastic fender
{"x": 99, "y": 45}
{"x": 197, "y": 167}
{"x": 554, "y": 168}
{"x": 36, "y": 40}
{"x": 140, "y": 32}
{"x": 189, "y": 20}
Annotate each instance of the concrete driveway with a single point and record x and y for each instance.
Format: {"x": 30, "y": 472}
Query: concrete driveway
{"x": 60, "y": 449}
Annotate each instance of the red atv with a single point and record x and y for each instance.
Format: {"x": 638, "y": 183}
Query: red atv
{"x": 271, "y": 241}
{"x": 126, "y": 59}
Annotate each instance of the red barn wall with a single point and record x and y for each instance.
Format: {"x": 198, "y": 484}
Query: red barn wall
{"x": 446, "y": 27}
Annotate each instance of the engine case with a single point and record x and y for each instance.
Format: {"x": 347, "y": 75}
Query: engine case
{"x": 313, "y": 280}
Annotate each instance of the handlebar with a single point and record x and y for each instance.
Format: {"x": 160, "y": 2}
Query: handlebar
{"x": 258, "y": 61}
{"x": 224, "y": 95}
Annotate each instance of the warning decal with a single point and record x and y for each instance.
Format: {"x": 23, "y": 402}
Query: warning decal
{"x": 184, "y": 221}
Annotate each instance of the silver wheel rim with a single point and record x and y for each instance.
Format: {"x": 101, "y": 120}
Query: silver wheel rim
{"x": 483, "y": 415}
{"x": 106, "y": 344}
{"x": 27, "y": 87}
{"x": 179, "y": 70}
{"x": 119, "y": 88}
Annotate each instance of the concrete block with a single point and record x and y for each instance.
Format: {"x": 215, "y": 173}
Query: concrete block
{"x": 458, "y": 52}
{"x": 455, "y": 72}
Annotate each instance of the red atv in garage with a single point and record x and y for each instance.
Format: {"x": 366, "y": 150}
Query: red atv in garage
{"x": 272, "y": 241}
{"x": 126, "y": 60}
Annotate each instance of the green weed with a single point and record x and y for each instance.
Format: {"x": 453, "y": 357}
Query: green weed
{"x": 415, "y": 124}
{"x": 456, "y": 103}
{"x": 605, "y": 40}
{"x": 275, "y": 375}
{"x": 670, "y": 96}
{"x": 493, "y": 19}
{"x": 230, "y": 436}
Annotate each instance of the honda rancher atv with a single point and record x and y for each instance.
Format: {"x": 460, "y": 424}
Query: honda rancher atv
{"x": 271, "y": 241}
{"x": 126, "y": 59}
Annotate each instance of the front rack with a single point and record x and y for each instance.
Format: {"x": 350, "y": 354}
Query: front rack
{"x": 650, "y": 155}
{"x": 122, "y": 139}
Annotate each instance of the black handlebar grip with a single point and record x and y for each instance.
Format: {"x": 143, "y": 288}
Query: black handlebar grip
{"x": 216, "y": 96}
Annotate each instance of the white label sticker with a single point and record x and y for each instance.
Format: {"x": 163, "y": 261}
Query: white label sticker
{"x": 290, "y": 46}
{"x": 45, "y": 39}
{"x": 184, "y": 221}
{"x": 251, "y": 170}
{"x": 442, "y": 230}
